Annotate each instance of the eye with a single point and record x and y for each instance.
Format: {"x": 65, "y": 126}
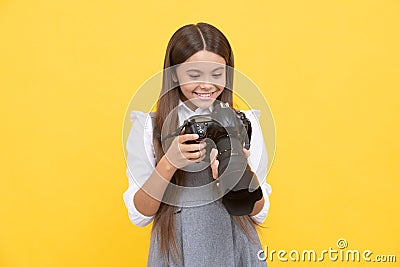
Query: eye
{"x": 217, "y": 75}
{"x": 194, "y": 76}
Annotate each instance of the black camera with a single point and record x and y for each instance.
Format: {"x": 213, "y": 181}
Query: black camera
{"x": 230, "y": 132}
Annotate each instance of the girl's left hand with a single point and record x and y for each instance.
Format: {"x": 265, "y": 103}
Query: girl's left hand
{"x": 214, "y": 162}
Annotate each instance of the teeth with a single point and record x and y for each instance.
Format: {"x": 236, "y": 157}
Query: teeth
{"x": 204, "y": 95}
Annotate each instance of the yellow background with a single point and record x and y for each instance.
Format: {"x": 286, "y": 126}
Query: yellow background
{"x": 68, "y": 69}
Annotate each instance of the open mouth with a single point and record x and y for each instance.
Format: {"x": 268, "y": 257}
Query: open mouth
{"x": 204, "y": 95}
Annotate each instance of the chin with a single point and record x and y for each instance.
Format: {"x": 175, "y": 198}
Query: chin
{"x": 203, "y": 104}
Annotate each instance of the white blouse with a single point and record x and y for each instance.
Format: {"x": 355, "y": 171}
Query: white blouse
{"x": 141, "y": 158}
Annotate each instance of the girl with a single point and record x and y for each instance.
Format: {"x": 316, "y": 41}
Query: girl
{"x": 202, "y": 235}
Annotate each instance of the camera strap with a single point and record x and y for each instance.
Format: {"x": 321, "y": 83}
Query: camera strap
{"x": 175, "y": 133}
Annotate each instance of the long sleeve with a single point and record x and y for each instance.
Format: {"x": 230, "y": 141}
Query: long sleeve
{"x": 258, "y": 162}
{"x": 140, "y": 163}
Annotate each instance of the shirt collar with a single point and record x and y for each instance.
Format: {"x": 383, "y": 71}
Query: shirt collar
{"x": 184, "y": 112}
{"x": 182, "y": 105}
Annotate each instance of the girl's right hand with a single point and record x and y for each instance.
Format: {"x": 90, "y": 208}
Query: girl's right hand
{"x": 180, "y": 154}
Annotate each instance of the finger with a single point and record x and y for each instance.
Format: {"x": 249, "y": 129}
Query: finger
{"x": 195, "y": 154}
{"x": 193, "y": 147}
{"x": 213, "y": 154}
{"x": 187, "y": 137}
{"x": 189, "y": 148}
{"x": 199, "y": 159}
{"x": 214, "y": 168}
{"x": 246, "y": 152}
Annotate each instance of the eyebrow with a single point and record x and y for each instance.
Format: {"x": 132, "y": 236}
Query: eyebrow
{"x": 201, "y": 71}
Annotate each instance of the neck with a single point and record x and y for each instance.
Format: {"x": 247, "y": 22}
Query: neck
{"x": 187, "y": 102}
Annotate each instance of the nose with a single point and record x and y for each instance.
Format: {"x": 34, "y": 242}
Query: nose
{"x": 206, "y": 85}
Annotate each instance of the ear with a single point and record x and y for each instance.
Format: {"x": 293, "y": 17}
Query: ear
{"x": 174, "y": 76}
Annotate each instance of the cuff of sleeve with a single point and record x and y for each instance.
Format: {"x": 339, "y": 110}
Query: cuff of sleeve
{"x": 135, "y": 216}
{"x": 260, "y": 217}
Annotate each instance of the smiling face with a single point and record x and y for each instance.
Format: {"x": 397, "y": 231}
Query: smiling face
{"x": 202, "y": 79}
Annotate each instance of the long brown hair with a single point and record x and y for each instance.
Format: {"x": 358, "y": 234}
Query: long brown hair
{"x": 185, "y": 42}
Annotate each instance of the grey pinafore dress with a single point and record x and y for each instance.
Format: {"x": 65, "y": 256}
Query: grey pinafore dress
{"x": 208, "y": 235}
